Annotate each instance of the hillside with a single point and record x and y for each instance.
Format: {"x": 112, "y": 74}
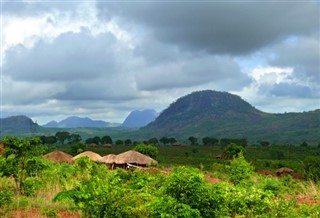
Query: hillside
{"x": 76, "y": 122}
{"x": 139, "y": 118}
{"x": 220, "y": 114}
{"x": 18, "y": 124}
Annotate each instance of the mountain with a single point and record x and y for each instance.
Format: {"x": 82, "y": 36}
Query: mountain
{"x": 139, "y": 118}
{"x": 221, "y": 114}
{"x": 18, "y": 124}
{"x": 52, "y": 124}
{"x": 75, "y": 122}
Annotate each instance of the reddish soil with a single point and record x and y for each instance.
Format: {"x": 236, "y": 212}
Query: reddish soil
{"x": 272, "y": 173}
{"x": 266, "y": 172}
{"x": 303, "y": 200}
{"x": 36, "y": 213}
{"x": 211, "y": 179}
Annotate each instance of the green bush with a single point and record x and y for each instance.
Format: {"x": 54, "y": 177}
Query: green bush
{"x": 148, "y": 150}
{"x": 272, "y": 184}
{"x": 169, "y": 207}
{"x": 239, "y": 170}
{"x": 312, "y": 167}
{"x": 6, "y": 192}
{"x": 233, "y": 150}
{"x": 250, "y": 201}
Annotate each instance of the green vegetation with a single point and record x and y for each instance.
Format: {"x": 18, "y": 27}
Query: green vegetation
{"x": 148, "y": 150}
{"x": 189, "y": 182}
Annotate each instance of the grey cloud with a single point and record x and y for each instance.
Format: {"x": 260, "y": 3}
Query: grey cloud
{"x": 218, "y": 27}
{"x": 193, "y": 72}
{"x": 303, "y": 55}
{"x": 23, "y": 8}
{"x": 71, "y": 56}
{"x": 291, "y": 90}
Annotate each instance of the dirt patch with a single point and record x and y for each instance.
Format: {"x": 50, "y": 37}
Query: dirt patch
{"x": 210, "y": 179}
{"x": 36, "y": 213}
{"x": 267, "y": 172}
{"x": 303, "y": 200}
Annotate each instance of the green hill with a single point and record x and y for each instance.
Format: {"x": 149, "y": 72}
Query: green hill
{"x": 220, "y": 114}
{"x": 17, "y": 125}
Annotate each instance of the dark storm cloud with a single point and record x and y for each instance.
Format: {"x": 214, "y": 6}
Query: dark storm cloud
{"x": 70, "y": 57}
{"x": 193, "y": 72}
{"x": 218, "y": 27}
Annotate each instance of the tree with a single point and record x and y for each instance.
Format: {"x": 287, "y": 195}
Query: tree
{"x": 148, "y": 150}
{"x": 206, "y": 140}
{"x": 153, "y": 141}
{"x": 62, "y": 136}
{"x": 172, "y": 140}
{"x": 18, "y": 152}
{"x": 209, "y": 141}
{"x": 233, "y": 150}
{"x": 74, "y": 138}
{"x": 304, "y": 144}
{"x": 164, "y": 140}
{"x": 193, "y": 140}
{"x": 106, "y": 139}
{"x": 48, "y": 140}
{"x": 77, "y": 148}
{"x": 119, "y": 142}
{"x": 128, "y": 142}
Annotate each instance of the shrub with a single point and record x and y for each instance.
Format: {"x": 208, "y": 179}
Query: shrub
{"x": 6, "y": 192}
{"x": 169, "y": 207}
{"x": 249, "y": 201}
{"x": 148, "y": 150}
{"x": 240, "y": 170}
{"x": 311, "y": 167}
{"x": 233, "y": 150}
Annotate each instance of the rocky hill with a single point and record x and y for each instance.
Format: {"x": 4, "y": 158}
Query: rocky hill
{"x": 221, "y": 114}
{"x": 18, "y": 124}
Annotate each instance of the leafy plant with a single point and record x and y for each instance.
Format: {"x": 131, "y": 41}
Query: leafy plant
{"x": 149, "y": 150}
{"x": 239, "y": 170}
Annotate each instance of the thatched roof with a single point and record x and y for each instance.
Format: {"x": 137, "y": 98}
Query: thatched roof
{"x": 58, "y": 156}
{"x": 134, "y": 157}
{"x": 93, "y": 156}
{"x": 108, "y": 159}
{"x": 284, "y": 170}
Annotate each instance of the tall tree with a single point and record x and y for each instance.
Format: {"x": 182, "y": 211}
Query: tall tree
{"x": 193, "y": 140}
{"x": 74, "y": 138}
{"x": 18, "y": 152}
{"x": 62, "y": 136}
{"x": 106, "y": 139}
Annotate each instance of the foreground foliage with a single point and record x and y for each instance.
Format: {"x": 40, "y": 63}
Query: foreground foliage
{"x": 180, "y": 192}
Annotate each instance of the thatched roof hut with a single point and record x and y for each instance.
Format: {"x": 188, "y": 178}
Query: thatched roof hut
{"x": 284, "y": 171}
{"x": 108, "y": 159}
{"x": 93, "y": 156}
{"x": 58, "y": 157}
{"x": 134, "y": 157}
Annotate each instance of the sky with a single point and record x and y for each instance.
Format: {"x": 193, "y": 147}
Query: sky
{"x": 104, "y": 59}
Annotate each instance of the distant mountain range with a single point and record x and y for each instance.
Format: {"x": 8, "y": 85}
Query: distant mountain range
{"x": 78, "y": 122}
{"x": 199, "y": 114}
{"x": 139, "y": 118}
